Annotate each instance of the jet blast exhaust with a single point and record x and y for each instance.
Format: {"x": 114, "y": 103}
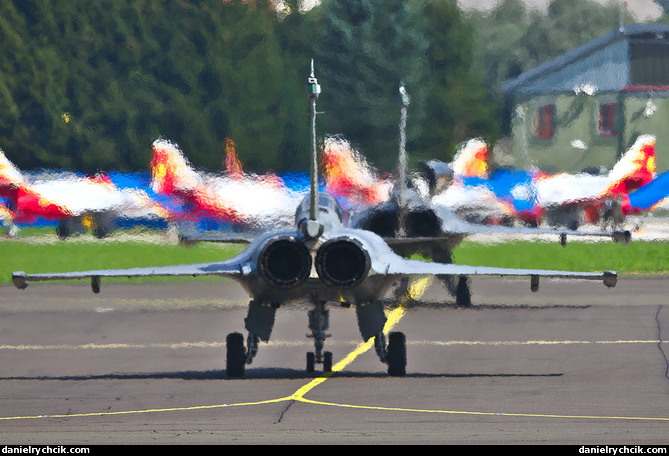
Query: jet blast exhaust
{"x": 284, "y": 262}
{"x": 342, "y": 262}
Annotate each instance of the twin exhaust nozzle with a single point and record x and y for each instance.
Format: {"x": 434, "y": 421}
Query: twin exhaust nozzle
{"x": 286, "y": 262}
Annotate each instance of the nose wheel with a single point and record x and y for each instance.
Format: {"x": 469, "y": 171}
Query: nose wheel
{"x": 326, "y": 360}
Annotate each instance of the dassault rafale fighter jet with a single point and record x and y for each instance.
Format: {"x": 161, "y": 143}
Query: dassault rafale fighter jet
{"x": 318, "y": 261}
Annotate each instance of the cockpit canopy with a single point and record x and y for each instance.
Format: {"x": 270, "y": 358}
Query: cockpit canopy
{"x": 327, "y": 205}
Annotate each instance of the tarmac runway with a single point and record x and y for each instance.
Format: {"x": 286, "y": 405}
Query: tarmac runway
{"x": 574, "y": 363}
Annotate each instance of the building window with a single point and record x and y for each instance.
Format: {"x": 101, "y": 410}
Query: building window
{"x": 607, "y": 119}
{"x": 543, "y": 122}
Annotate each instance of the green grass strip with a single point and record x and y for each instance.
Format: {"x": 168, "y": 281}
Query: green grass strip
{"x": 638, "y": 257}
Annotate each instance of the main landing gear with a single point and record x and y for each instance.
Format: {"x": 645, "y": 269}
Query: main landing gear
{"x": 370, "y": 318}
{"x": 395, "y": 354}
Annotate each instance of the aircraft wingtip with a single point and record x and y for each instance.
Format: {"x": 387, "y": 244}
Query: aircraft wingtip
{"x": 610, "y": 278}
{"x": 19, "y": 280}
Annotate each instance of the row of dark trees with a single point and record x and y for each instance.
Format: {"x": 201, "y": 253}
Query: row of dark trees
{"x": 88, "y": 85}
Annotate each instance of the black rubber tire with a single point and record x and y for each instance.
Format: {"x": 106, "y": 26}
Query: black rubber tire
{"x": 463, "y": 294}
{"x": 311, "y": 361}
{"x": 397, "y": 354}
{"x": 235, "y": 355}
{"x": 327, "y": 361}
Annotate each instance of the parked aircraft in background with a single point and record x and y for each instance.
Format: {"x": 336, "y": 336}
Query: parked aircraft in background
{"x": 401, "y": 211}
{"x": 317, "y": 260}
{"x": 244, "y": 200}
{"x": 534, "y": 197}
{"x": 76, "y": 202}
{"x": 464, "y": 186}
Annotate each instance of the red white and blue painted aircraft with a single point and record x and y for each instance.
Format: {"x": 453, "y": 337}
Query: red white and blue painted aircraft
{"x": 533, "y": 197}
{"x": 245, "y": 201}
{"x": 76, "y": 202}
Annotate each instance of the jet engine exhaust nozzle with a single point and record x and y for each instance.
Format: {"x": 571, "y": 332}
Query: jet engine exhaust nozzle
{"x": 422, "y": 223}
{"x": 284, "y": 262}
{"x": 342, "y": 262}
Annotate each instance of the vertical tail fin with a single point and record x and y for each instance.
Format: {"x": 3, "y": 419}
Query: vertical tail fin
{"x": 313, "y": 89}
{"x": 170, "y": 171}
{"x": 402, "y": 158}
{"x": 233, "y": 165}
{"x": 471, "y": 159}
{"x": 348, "y": 174}
{"x": 634, "y": 169}
{"x": 9, "y": 174}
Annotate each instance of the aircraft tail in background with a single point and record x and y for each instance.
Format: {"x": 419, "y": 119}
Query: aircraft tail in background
{"x": 635, "y": 168}
{"x": 348, "y": 175}
{"x": 471, "y": 159}
{"x": 171, "y": 172}
{"x": 9, "y": 174}
{"x": 25, "y": 204}
{"x": 233, "y": 166}
{"x": 235, "y": 197}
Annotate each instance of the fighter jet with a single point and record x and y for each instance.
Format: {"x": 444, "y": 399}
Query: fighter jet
{"x": 406, "y": 217}
{"x": 319, "y": 261}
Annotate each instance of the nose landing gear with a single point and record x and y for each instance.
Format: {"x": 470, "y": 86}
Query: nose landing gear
{"x": 319, "y": 322}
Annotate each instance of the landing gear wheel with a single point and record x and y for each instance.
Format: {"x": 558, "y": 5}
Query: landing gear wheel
{"x": 236, "y": 355}
{"x": 397, "y": 354}
{"x": 463, "y": 294}
{"x": 311, "y": 361}
{"x": 327, "y": 361}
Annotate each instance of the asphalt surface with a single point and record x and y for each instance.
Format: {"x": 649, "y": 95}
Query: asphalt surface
{"x": 574, "y": 363}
